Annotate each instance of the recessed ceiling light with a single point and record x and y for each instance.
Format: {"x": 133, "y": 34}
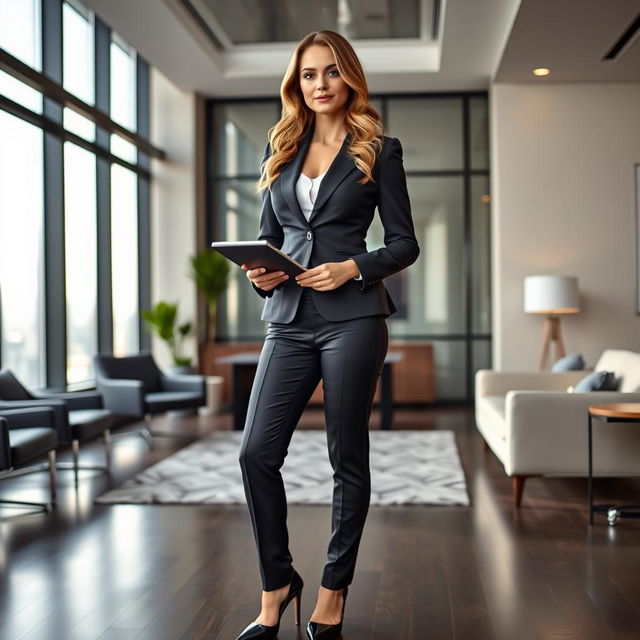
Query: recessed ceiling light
{"x": 541, "y": 71}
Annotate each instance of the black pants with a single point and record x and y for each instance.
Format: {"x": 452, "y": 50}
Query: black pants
{"x": 348, "y": 356}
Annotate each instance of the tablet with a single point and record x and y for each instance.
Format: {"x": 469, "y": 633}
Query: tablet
{"x": 259, "y": 253}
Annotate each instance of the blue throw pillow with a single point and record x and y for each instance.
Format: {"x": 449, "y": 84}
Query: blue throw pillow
{"x": 572, "y": 362}
{"x": 597, "y": 381}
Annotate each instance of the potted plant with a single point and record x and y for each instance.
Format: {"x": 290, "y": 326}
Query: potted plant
{"x": 162, "y": 319}
{"x": 209, "y": 270}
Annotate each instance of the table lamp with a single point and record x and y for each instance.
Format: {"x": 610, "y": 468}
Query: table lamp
{"x": 552, "y": 296}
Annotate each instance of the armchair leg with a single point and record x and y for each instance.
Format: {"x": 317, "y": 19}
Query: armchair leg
{"x": 75, "y": 466}
{"x": 517, "y": 484}
{"x": 148, "y": 433}
{"x": 39, "y": 506}
{"x": 52, "y": 476}
{"x": 146, "y": 430}
{"x": 163, "y": 434}
{"x": 107, "y": 448}
{"x": 75, "y": 450}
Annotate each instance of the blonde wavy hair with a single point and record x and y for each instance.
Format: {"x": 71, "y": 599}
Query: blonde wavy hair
{"x": 362, "y": 121}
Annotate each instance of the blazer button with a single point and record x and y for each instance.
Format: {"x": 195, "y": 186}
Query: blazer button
{"x": 308, "y": 235}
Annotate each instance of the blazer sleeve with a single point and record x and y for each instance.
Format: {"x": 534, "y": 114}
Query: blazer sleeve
{"x": 401, "y": 247}
{"x": 270, "y": 228}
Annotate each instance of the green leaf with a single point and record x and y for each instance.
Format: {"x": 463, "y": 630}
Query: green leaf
{"x": 209, "y": 270}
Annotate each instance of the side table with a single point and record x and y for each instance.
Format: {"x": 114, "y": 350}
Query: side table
{"x": 611, "y": 412}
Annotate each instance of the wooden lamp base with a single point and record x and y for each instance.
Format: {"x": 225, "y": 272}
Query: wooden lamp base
{"x": 552, "y": 333}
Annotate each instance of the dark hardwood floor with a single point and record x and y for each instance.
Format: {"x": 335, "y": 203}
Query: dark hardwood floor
{"x": 487, "y": 571}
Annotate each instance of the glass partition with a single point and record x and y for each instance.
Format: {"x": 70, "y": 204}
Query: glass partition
{"x": 445, "y": 295}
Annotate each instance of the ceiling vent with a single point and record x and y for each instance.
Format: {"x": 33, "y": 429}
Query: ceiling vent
{"x": 435, "y": 23}
{"x": 623, "y": 43}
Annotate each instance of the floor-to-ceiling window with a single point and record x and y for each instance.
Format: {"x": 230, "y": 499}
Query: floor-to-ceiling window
{"x": 70, "y": 185}
{"x": 21, "y": 240}
{"x": 124, "y": 209}
{"x": 21, "y": 200}
{"x": 124, "y": 260}
{"x": 80, "y": 224}
{"x": 444, "y": 297}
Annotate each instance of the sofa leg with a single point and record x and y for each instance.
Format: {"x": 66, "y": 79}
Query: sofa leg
{"x": 517, "y": 484}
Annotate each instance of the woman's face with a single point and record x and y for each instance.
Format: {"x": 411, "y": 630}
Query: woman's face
{"x": 319, "y": 75}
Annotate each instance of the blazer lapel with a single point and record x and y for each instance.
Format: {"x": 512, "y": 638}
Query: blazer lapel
{"x": 341, "y": 166}
{"x": 289, "y": 176}
{"x": 339, "y": 169}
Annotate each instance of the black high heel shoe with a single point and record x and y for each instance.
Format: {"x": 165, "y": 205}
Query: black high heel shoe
{"x": 263, "y": 631}
{"x": 322, "y": 631}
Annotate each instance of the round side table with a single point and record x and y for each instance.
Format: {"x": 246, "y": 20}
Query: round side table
{"x": 611, "y": 412}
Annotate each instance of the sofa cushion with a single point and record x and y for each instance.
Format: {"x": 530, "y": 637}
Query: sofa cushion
{"x": 597, "y": 381}
{"x": 89, "y": 423}
{"x": 30, "y": 443}
{"x": 626, "y": 366}
{"x": 492, "y": 409}
{"x": 572, "y": 362}
{"x": 173, "y": 401}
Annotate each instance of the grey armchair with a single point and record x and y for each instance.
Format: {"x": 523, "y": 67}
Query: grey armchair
{"x": 25, "y": 436}
{"x": 78, "y": 416}
{"x": 135, "y": 386}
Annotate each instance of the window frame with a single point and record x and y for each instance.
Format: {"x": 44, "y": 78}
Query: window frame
{"x": 49, "y": 83}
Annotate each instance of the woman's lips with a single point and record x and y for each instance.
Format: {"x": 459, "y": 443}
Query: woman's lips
{"x": 324, "y": 99}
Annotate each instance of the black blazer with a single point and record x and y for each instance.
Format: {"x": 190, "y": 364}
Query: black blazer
{"x": 336, "y": 231}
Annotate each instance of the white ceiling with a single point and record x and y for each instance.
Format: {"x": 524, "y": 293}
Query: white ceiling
{"x": 480, "y": 41}
{"x": 571, "y": 37}
{"x": 473, "y": 35}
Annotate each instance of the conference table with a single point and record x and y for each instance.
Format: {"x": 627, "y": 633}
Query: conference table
{"x": 245, "y": 364}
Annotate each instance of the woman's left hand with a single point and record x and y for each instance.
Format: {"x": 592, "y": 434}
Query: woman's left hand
{"x": 329, "y": 275}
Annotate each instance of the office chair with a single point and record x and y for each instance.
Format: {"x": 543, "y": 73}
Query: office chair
{"x": 135, "y": 386}
{"x": 78, "y": 417}
{"x": 25, "y": 436}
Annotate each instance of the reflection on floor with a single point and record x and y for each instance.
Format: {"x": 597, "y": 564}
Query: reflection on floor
{"x": 180, "y": 572}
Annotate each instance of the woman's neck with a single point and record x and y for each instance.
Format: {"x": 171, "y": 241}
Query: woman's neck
{"x": 329, "y": 129}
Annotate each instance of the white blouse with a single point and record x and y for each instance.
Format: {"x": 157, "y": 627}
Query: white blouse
{"x": 307, "y": 192}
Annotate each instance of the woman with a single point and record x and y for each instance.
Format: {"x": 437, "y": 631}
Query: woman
{"x": 326, "y": 168}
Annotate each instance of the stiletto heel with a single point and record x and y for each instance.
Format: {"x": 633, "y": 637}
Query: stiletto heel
{"x": 256, "y": 630}
{"x": 296, "y": 610}
{"x": 322, "y": 631}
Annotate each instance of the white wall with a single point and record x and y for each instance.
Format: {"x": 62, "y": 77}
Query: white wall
{"x": 173, "y": 204}
{"x": 563, "y": 203}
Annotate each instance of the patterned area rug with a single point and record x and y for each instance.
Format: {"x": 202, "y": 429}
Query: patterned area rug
{"x": 407, "y": 467}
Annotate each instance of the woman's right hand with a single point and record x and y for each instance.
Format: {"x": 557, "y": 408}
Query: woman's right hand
{"x": 264, "y": 279}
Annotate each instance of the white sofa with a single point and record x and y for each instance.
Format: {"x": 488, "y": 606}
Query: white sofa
{"x": 537, "y": 428}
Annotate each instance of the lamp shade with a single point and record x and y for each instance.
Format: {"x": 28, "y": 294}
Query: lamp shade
{"x": 551, "y": 294}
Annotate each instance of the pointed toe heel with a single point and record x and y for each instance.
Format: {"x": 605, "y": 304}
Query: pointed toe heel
{"x": 322, "y": 631}
{"x": 255, "y": 630}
